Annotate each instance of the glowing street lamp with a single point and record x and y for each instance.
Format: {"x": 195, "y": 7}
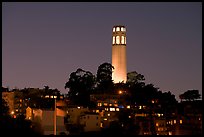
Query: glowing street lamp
{"x": 12, "y": 112}
{"x": 120, "y": 92}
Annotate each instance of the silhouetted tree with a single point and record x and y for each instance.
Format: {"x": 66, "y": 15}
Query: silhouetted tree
{"x": 104, "y": 78}
{"x": 123, "y": 87}
{"x": 190, "y": 95}
{"x": 136, "y": 94}
{"x": 4, "y": 107}
{"x": 81, "y": 84}
{"x": 134, "y": 77}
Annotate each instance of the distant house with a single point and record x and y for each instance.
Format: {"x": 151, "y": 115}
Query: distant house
{"x": 90, "y": 121}
{"x": 45, "y": 119}
{"x": 189, "y": 118}
{"x": 73, "y": 114}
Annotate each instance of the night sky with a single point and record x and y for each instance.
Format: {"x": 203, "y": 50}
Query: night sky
{"x": 43, "y": 43}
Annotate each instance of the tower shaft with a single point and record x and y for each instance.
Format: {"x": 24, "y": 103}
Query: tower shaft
{"x": 119, "y": 54}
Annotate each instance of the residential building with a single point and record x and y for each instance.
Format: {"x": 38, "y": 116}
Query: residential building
{"x": 90, "y": 121}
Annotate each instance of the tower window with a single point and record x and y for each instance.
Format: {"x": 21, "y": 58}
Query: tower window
{"x": 113, "y": 29}
{"x": 117, "y": 39}
{"x": 122, "y": 29}
{"x": 118, "y": 29}
{"x": 113, "y": 39}
{"x": 122, "y": 40}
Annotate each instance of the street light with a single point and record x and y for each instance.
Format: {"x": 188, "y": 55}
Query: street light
{"x": 120, "y": 92}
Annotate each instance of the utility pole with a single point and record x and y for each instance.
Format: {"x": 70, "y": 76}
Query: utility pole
{"x": 55, "y": 120}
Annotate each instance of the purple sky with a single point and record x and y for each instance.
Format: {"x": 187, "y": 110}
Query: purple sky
{"x": 42, "y": 43}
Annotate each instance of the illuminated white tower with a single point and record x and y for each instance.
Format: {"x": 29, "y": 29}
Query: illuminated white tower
{"x": 119, "y": 54}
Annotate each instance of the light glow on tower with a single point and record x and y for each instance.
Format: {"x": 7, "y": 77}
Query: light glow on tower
{"x": 119, "y": 54}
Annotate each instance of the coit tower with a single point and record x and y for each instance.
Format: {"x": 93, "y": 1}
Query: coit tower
{"x": 119, "y": 54}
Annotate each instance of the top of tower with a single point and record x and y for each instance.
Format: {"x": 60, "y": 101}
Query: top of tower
{"x": 119, "y": 26}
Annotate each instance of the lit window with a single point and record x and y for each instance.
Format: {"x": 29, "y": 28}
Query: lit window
{"x": 157, "y": 124}
{"x": 99, "y": 104}
{"x": 129, "y": 116}
{"x": 121, "y": 28}
{"x": 97, "y": 111}
{"x": 152, "y": 101}
{"x": 170, "y": 133}
{"x": 113, "y": 39}
{"x": 101, "y": 125}
{"x": 140, "y": 107}
{"x": 105, "y": 119}
{"x": 174, "y": 121}
{"x": 78, "y": 107}
{"x": 122, "y": 40}
{"x": 115, "y": 105}
{"x": 160, "y": 129}
{"x": 105, "y": 104}
{"x": 158, "y": 115}
{"x": 110, "y": 104}
{"x": 108, "y": 114}
{"x": 180, "y": 121}
{"x": 118, "y": 29}
{"x": 128, "y": 106}
{"x": 47, "y": 96}
{"x": 113, "y": 29}
{"x": 117, "y": 109}
{"x": 112, "y": 109}
{"x": 117, "y": 39}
